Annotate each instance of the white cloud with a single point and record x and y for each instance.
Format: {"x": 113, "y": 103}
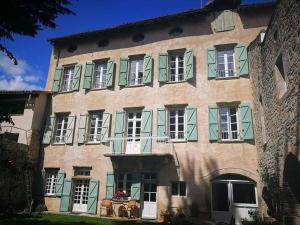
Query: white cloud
{"x": 18, "y": 77}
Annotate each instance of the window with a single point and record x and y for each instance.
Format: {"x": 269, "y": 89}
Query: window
{"x": 176, "y": 124}
{"x": 229, "y": 123}
{"x": 61, "y": 129}
{"x": 82, "y": 172}
{"x": 226, "y": 64}
{"x": 13, "y": 107}
{"x": 176, "y": 66}
{"x": 280, "y": 77}
{"x": 51, "y": 179}
{"x": 67, "y": 80}
{"x": 95, "y": 126}
{"x": 244, "y": 193}
{"x": 99, "y": 80}
{"x": 134, "y": 122}
{"x": 136, "y": 71}
{"x": 179, "y": 188}
{"x": 124, "y": 181}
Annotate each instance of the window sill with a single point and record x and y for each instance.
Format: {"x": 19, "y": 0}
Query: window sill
{"x": 176, "y": 82}
{"x": 63, "y": 92}
{"x": 178, "y": 141}
{"x": 179, "y": 196}
{"x": 59, "y": 143}
{"x": 98, "y": 89}
{"x": 93, "y": 143}
{"x": 231, "y": 141}
{"x": 133, "y": 86}
{"x": 50, "y": 195}
{"x": 227, "y": 78}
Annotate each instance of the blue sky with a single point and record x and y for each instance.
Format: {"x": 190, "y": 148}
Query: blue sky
{"x": 33, "y": 54}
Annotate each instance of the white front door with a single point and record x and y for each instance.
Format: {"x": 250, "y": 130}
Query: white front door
{"x": 233, "y": 200}
{"x": 134, "y": 122}
{"x": 149, "y": 210}
{"x": 81, "y": 192}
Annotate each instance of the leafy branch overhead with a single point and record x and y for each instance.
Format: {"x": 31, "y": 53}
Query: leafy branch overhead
{"x": 27, "y": 17}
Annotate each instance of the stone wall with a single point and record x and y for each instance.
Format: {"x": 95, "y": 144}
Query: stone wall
{"x": 277, "y": 116}
{"x": 14, "y": 162}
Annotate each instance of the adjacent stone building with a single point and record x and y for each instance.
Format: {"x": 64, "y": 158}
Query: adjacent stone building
{"x": 274, "y": 70}
{"x": 20, "y": 145}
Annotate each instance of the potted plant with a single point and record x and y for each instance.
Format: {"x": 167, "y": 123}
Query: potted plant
{"x": 165, "y": 216}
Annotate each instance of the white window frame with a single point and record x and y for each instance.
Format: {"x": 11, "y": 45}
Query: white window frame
{"x": 124, "y": 182}
{"x": 50, "y": 181}
{"x": 177, "y": 183}
{"x": 102, "y": 75}
{"x": 67, "y": 78}
{"x": 177, "y": 138}
{"x": 229, "y": 123}
{"x": 133, "y": 76}
{"x": 226, "y": 73}
{"x": 134, "y": 120}
{"x": 63, "y": 130}
{"x": 96, "y": 138}
{"x": 176, "y": 54}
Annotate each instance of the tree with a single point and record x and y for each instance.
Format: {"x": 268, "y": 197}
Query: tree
{"x": 27, "y": 17}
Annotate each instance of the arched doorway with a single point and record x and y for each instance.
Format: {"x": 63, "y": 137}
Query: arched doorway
{"x": 233, "y": 196}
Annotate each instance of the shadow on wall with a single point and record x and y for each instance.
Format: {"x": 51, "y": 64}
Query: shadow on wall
{"x": 197, "y": 203}
{"x": 291, "y": 176}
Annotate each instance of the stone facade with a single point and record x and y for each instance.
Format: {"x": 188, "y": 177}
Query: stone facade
{"x": 199, "y": 162}
{"x": 274, "y": 62}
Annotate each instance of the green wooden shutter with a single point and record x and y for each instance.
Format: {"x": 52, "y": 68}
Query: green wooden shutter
{"x": 66, "y": 196}
{"x": 163, "y": 67}
{"x": 241, "y": 58}
{"x": 110, "y": 183}
{"x": 48, "y": 130}
{"x": 213, "y": 122}
{"x": 88, "y": 75}
{"x": 110, "y": 73}
{"x": 105, "y": 127}
{"x": 119, "y": 131}
{"x": 189, "y": 64}
{"x": 192, "y": 130}
{"x": 70, "y": 129}
{"x": 147, "y": 69}
{"x": 93, "y": 196}
{"x": 224, "y": 21}
{"x": 82, "y": 129}
{"x": 161, "y": 123}
{"x": 136, "y": 186}
{"x": 211, "y": 63}
{"x": 123, "y": 71}
{"x": 228, "y": 20}
{"x": 76, "y": 79}
{"x": 59, "y": 183}
{"x": 56, "y": 80}
{"x": 146, "y": 130}
{"x": 246, "y": 120}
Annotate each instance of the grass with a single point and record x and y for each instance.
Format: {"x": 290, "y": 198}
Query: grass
{"x": 55, "y": 219}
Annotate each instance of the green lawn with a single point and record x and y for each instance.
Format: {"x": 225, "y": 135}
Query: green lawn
{"x": 55, "y": 219}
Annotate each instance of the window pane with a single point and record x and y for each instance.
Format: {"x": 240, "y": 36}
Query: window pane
{"x": 153, "y": 197}
{"x": 182, "y": 188}
{"x": 244, "y": 193}
{"x": 220, "y": 197}
{"x": 174, "y": 188}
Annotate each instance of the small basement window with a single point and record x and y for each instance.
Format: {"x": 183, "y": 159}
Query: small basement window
{"x": 280, "y": 77}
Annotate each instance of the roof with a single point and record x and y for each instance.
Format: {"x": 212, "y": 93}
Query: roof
{"x": 23, "y": 92}
{"x": 212, "y": 5}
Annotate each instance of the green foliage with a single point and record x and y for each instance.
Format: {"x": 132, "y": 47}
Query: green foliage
{"x": 26, "y": 17}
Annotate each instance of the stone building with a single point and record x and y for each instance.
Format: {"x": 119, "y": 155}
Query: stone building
{"x": 274, "y": 62}
{"x": 20, "y": 144}
{"x": 157, "y": 110}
